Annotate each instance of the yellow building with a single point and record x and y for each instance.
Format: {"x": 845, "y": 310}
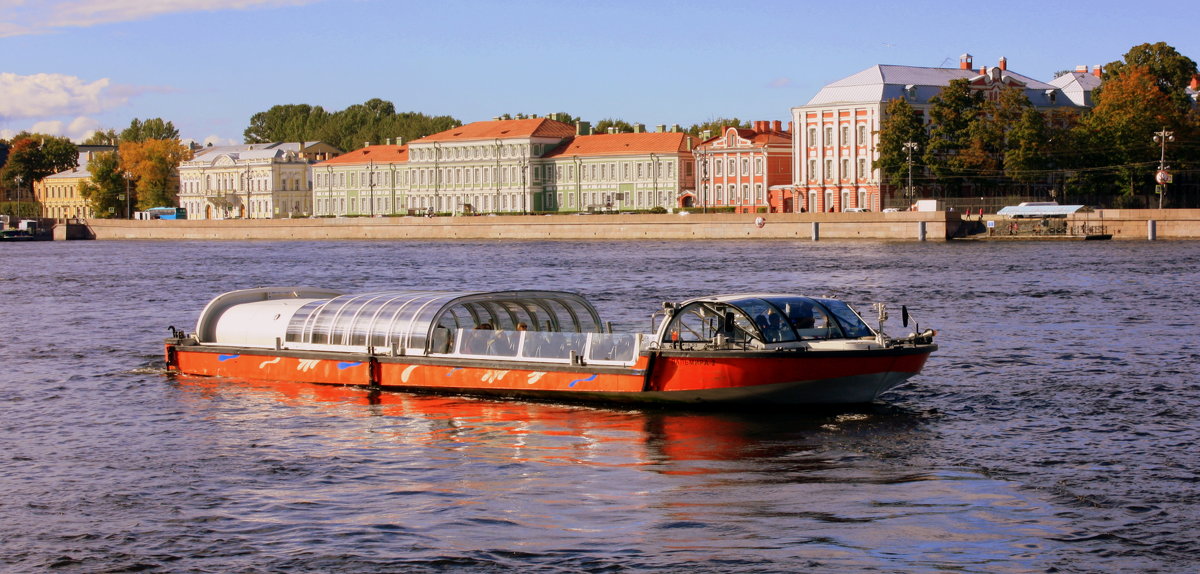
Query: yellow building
{"x": 59, "y": 194}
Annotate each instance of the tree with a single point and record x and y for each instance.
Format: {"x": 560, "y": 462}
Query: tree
{"x": 715, "y": 125}
{"x": 1121, "y": 127}
{"x": 153, "y": 165}
{"x": 106, "y": 185}
{"x": 35, "y": 156}
{"x": 900, "y": 125}
{"x": 151, "y": 129}
{"x": 621, "y": 126}
{"x": 102, "y": 137}
{"x": 951, "y": 114}
{"x": 1172, "y": 71}
{"x": 372, "y": 121}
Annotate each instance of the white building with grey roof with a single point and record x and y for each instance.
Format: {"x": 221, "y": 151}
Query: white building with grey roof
{"x": 836, "y": 132}
{"x": 256, "y": 181}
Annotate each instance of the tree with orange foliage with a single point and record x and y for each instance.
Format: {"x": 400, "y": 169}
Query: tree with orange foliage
{"x": 1120, "y": 129}
{"x": 154, "y": 166}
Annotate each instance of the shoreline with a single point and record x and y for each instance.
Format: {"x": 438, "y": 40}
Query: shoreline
{"x": 1143, "y": 225}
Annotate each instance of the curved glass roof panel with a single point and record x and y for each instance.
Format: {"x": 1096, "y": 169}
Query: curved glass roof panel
{"x": 406, "y": 319}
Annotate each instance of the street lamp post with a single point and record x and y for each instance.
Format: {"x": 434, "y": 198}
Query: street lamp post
{"x": 1162, "y": 177}
{"x": 371, "y": 184}
{"x": 247, "y": 191}
{"x": 18, "y": 179}
{"x": 128, "y": 178}
{"x": 910, "y": 147}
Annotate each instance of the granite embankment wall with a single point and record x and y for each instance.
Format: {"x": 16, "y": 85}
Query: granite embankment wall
{"x": 1130, "y": 224}
{"x": 877, "y": 226}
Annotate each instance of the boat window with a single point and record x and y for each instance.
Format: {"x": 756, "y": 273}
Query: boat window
{"x": 771, "y": 322}
{"x": 613, "y": 347}
{"x": 548, "y": 345}
{"x": 489, "y": 342}
{"x": 851, "y": 324}
{"x": 702, "y": 321}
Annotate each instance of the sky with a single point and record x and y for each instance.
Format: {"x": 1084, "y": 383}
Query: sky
{"x": 75, "y": 66}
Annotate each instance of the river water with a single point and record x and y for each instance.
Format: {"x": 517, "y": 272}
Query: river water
{"x": 1055, "y": 430}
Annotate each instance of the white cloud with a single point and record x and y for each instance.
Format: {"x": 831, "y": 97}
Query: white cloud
{"x": 218, "y": 140}
{"x": 21, "y": 18}
{"x": 42, "y": 95}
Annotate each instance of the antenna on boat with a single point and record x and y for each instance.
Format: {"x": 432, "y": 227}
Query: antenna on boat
{"x": 882, "y": 314}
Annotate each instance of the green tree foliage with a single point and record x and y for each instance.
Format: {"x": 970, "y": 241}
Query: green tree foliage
{"x": 715, "y": 125}
{"x": 621, "y": 126}
{"x": 372, "y": 121}
{"x": 106, "y": 185}
{"x": 900, "y": 125}
{"x": 102, "y": 137}
{"x": 951, "y": 113}
{"x": 151, "y": 129}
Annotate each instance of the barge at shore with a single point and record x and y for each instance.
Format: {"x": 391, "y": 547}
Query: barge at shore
{"x": 753, "y": 348}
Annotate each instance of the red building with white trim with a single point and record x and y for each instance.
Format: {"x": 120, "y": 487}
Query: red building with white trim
{"x": 739, "y": 167}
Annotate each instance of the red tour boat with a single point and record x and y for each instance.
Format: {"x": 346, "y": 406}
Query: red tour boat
{"x": 753, "y": 348}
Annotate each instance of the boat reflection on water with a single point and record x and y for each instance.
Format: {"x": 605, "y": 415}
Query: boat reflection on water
{"x": 682, "y": 441}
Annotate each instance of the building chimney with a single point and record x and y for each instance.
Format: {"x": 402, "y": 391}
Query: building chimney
{"x": 1195, "y": 85}
{"x": 1097, "y": 71}
{"x": 661, "y": 128}
{"x": 982, "y": 70}
{"x": 777, "y": 126}
{"x": 1081, "y": 69}
{"x": 965, "y": 62}
{"x": 639, "y": 128}
{"x": 583, "y": 128}
{"x": 1003, "y": 63}
{"x": 399, "y": 141}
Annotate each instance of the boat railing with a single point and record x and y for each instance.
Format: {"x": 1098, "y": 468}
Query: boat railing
{"x": 549, "y": 347}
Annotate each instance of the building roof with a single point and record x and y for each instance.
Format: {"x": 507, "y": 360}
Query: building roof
{"x": 1077, "y": 86}
{"x": 502, "y": 129}
{"x": 1040, "y": 210}
{"x": 625, "y": 144}
{"x": 755, "y": 137}
{"x": 73, "y": 173}
{"x": 375, "y": 153}
{"x": 884, "y": 82}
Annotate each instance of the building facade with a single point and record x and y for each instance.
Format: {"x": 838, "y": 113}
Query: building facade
{"x": 369, "y": 181}
{"x": 836, "y": 133}
{"x": 256, "y": 181}
{"x": 618, "y": 171}
{"x": 484, "y": 167}
{"x": 739, "y": 167}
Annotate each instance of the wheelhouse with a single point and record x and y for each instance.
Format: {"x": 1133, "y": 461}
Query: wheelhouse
{"x": 760, "y": 321}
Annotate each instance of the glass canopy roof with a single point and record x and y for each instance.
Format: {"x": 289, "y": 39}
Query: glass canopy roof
{"x": 409, "y": 319}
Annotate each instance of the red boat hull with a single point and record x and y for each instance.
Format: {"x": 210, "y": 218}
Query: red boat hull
{"x": 793, "y": 378}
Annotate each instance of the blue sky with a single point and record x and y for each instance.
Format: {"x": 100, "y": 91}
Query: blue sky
{"x": 74, "y": 66}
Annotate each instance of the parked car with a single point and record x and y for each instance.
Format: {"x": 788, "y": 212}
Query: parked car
{"x": 855, "y": 210}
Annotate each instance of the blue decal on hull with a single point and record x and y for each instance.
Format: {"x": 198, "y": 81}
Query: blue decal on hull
{"x": 224, "y": 358}
{"x": 343, "y": 366}
{"x": 591, "y": 378}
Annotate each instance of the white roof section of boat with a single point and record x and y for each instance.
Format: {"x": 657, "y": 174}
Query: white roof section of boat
{"x": 1039, "y": 210}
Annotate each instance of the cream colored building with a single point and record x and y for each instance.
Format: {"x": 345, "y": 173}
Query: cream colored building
{"x": 59, "y": 194}
{"x": 255, "y": 181}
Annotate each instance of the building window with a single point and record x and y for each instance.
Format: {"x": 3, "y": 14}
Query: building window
{"x": 845, "y": 135}
{"x": 758, "y": 166}
{"x": 812, "y": 137}
{"x": 828, "y": 136}
{"x": 828, "y": 169}
{"x": 745, "y": 166}
{"x": 862, "y": 168}
{"x": 862, "y": 134}
{"x": 845, "y": 168}
{"x": 812, "y": 169}
{"x": 718, "y": 165}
